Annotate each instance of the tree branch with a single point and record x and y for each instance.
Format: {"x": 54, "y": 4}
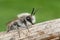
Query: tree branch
{"x": 49, "y": 30}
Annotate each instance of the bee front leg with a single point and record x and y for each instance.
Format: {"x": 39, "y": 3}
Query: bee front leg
{"x": 18, "y": 31}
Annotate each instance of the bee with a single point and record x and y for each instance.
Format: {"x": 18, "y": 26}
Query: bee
{"x": 23, "y": 20}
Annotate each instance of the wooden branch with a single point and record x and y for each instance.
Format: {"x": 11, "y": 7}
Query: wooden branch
{"x": 49, "y": 30}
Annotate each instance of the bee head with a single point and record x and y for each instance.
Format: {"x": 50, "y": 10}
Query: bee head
{"x": 28, "y": 17}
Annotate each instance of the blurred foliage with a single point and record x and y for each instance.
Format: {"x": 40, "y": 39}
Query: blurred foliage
{"x": 48, "y": 9}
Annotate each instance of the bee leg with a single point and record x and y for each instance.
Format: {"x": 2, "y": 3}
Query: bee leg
{"x": 27, "y": 28}
{"x": 26, "y": 25}
{"x": 18, "y": 31}
{"x": 17, "y": 28}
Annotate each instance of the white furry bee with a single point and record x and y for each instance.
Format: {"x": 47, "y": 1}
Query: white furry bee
{"x": 23, "y": 20}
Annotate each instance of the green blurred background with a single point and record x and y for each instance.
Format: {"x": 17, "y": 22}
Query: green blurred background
{"x": 49, "y": 9}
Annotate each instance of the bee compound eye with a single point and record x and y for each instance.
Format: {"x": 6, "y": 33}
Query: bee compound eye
{"x": 28, "y": 18}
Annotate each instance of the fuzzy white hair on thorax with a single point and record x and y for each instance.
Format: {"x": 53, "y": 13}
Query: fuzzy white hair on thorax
{"x": 23, "y": 14}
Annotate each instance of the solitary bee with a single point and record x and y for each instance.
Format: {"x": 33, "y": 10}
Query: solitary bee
{"x": 23, "y": 20}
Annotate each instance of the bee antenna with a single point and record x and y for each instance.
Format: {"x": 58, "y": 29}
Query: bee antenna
{"x": 35, "y": 11}
{"x": 32, "y": 11}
